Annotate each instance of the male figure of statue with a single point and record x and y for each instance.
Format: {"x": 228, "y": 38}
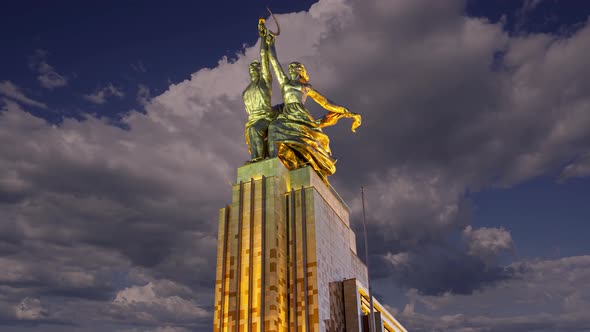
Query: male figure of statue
{"x": 257, "y": 101}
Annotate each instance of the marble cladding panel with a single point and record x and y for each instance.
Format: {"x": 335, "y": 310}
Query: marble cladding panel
{"x": 353, "y": 241}
{"x": 276, "y": 288}
{"x": 359, "y": 269}
{"x": 337, "y": 322}
{"x": 335, "y": 259}
{"x": 306, "y": 296}
{"x": 351, "y": 306}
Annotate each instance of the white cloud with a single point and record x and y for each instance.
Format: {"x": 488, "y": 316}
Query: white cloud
{"x": 48, "y": 77}
{"x": 398, "y": 260}
{"x": 548, "y": 295}
{"x": 100, "y": 96}
{"x": 202, "y": 94}
{"x": 10, "y": 90}
{"x": 170, "y": 329}
{"x": 411, "y": 205}
{"x": 30, "y": 309}
{"x": 146, "y": 303}
{"x": 487, "y": 243}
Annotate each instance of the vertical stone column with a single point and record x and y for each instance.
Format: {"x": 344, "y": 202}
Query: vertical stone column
{"x": 275, "y": 253}
{"x": 220, "y": 317}
{"x": 251, "y": 282}
{"x": 330, "y": 245}
{"x": 303, "y": 310}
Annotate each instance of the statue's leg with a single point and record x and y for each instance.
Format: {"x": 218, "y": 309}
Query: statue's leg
{"x": 265, "y": 147}
{"x": 257, "y": 134}
{"x": 271, "y": 143}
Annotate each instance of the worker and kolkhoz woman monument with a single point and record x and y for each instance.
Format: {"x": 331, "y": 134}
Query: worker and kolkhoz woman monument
{"x": 287, "y": 130}
{"x": 286, "y": 253}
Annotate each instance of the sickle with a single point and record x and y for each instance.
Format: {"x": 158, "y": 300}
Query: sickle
{"x": 276, "y": 23}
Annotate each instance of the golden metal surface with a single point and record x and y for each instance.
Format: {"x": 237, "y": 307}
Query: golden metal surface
{"x": 288, "y": 131}
{"x": 257, "y": 101}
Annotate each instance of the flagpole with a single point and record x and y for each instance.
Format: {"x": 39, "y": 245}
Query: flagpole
{"x": 371, "y": 315}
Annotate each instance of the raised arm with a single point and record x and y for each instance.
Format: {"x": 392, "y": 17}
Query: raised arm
{"x": 264, "y": 64}
{"x": 272, "y": 57}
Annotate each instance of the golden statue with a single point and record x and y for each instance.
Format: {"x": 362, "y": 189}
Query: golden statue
{"x": 257, "y": 102}
{"x": 294, "y": 136}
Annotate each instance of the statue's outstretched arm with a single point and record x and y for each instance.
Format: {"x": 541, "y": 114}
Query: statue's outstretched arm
{"x": 272, "y": 57}
{"x": 325, "y": 103}
{"x": 336, "y": 112}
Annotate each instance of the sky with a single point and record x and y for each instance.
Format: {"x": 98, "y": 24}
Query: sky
{"x": 121, "y": 129}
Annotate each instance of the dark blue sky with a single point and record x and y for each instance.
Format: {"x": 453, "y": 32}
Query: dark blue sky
{"x": 546, "y": 218}
{"x": 552, "y": 16}
{"x": 97, "y": 43}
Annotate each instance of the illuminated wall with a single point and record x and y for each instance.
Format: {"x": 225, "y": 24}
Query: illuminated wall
{"x": 251, "y": 284}
{"x": 284, "y": 248}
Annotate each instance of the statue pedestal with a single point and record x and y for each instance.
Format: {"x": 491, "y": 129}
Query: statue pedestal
{"x": 284, "y": 248}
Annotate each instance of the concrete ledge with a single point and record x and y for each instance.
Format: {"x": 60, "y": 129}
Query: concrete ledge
{"x": 307, "y": 177}
{"x": 268, "y": 167}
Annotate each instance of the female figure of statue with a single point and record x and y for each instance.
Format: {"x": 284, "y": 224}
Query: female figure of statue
{"x": 294, "y": 136}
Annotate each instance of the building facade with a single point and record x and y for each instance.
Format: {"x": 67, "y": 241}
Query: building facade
{"x": 286, "y": 257}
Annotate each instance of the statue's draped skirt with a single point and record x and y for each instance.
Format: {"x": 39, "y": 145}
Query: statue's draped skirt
{"x": 299, "y": 141}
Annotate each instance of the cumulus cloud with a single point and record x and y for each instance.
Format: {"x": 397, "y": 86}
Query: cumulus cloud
{"x": 153, "y": 302}
{"x": 30, "y": 309}
{"x": 63, "y": 236}
{"x": 100, "y": 95}
{"x": 448, "y": 117}
{"x": 540, "y": 300}
{"x": 48, "y": 77}
{"x": 170, "y": 329}
{"x": 487, "y": 243}
{"x": 416, "y": 206}
{"x": 439, "y": 269}
{"x": 10, "y": 90}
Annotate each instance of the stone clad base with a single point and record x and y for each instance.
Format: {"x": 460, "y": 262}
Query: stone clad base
{"x": 285, "y": 249}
